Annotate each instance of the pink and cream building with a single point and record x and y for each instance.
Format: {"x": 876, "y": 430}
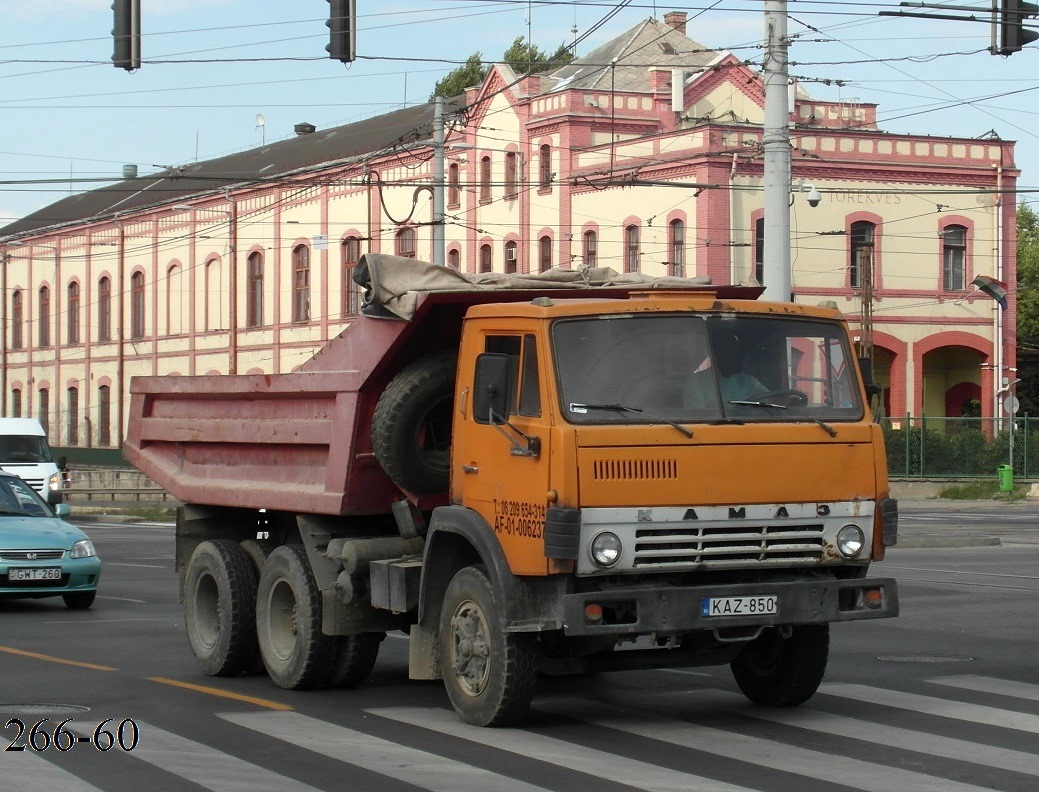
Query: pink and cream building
{"x": 645, "y": 154}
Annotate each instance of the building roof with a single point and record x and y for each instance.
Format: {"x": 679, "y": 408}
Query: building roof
{"x": 318, "y": 149}
{"x": 648, "y": 44}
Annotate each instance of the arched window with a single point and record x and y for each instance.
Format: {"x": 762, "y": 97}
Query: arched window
{"x": 16, "y": 403}
{"x": 454, "y": 258}
{"x": 72, "y": 416}
{"x": 73, "y": 313}
{"x": 176, "y": 304}
{"x": 860, "y": 264}
{"x": 485, "y": 179}
{"x": 954, "y": 258}
{"x": 405, "y": 242}
{"x": 544, "y": 253}
{"x": 511, "y": 174}
{"x": 254, "y": 294}
{"x": 591, "y": 249}
{"x": 104, "y": 310}
{"x": 351, "y": 297}
{"x": 454, "y": 187}
{"x": 301, "y": 284}
{"x": 631, "y": 249}
{"x": 213, "y": 299}
{"x": 17, "y": 318}
{"x": 44, "y": 414}
{"x": 545, "y": 167}
{"x": 43, "y": 320}
{"x": 485, "y": 258}
{"x": 676, "y": 247}
{"x": 137, "y": 305}
{"x": 511, "y": 256}
{"x": 104, "y": 415}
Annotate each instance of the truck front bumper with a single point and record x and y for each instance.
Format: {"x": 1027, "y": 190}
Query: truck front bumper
{"x": 680, "y": 609}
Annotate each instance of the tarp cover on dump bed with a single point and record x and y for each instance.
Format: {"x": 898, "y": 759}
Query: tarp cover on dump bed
{"x": 393, "y": 284}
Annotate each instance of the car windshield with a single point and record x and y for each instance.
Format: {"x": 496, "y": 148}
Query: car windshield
{"x": 646, "y": 368}
{"x": 19, "y": 499}
{"x": 24, "y": 448}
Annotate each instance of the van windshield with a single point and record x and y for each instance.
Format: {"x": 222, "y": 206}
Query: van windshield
{"x": 693, "y": 368}
{"x": 30, "y": 449}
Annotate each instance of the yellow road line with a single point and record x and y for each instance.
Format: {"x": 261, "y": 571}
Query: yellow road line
{"x": 51, "y": 659}
{"x": 259, "y": 702}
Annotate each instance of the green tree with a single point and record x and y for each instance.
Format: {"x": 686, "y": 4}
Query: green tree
{"x": 454, "y": 83}
{"x": 522, "y": 57}
{"x": 1028, "y": 309}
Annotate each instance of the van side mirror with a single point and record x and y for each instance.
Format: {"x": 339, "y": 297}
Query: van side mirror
{"x": 63, "y": 463}
{"x": 493, "y": 389}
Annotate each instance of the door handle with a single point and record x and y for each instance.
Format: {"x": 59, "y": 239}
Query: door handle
{"x": 470, "y": 469}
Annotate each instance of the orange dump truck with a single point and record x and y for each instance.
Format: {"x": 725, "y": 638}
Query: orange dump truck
{"x": 548, "y": 478}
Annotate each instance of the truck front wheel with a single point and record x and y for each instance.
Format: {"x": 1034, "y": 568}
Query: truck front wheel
{"x": 219, "y": 607}
{"x": 489, "y": 674}
{"x": 774, "y": 671}
{"x": 288, "y": 621}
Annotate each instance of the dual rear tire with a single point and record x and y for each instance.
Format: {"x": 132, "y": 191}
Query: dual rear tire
{"x": 243, "y": 620}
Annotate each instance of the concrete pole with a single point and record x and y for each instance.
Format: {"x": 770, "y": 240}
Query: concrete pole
{"x": 776, "y": 145}
{"x": 439, "y": 244}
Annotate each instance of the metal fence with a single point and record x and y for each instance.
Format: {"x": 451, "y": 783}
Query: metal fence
{"x": 925, "y": 447}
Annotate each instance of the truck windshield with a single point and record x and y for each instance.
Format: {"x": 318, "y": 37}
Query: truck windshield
{"x": 24, "y": 448}
{"x": 645, "y": 368}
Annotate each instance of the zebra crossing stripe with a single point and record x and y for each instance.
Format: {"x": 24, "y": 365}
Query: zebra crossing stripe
{"x": 419, "y": 768}
{"x": 834, "y": 768}
{"x": 28, "y": 770}
{"x": 943, "y": 708}
{"x": 867, "y": 732}
{"x": 208, "y": 767}
{"x": 601, "y": 764}
{"x": 1000, "y": 687}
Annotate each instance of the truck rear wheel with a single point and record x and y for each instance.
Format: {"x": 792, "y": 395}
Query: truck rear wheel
{"x": 489, "y": 674}
{"x": 354, "y": 659}
{"x": 219, "y": 607}
{"x": 774, "y": 671}
{"x": 411, "y": 427}
{"x": 288, "y": 621}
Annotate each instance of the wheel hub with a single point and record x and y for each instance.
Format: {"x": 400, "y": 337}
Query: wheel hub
{"x": 470, "y": 648}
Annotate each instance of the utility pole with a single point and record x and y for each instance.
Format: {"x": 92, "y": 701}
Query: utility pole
{"x": 776, "y": 146}
{"x": 439, "y": 186}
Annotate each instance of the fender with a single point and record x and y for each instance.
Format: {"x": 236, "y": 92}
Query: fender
{"x": 458, "y": 537}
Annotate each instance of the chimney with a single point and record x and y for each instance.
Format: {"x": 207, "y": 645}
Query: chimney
{"x": 676, "y": 20}
{"x": 304, "y": 129}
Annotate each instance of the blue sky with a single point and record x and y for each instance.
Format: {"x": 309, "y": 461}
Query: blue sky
{"x": 211, "y": 67}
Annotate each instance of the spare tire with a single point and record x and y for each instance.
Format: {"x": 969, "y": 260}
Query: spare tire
{"x": 411, "y": 428}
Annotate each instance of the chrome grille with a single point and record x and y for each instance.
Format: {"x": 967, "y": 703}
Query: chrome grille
{"x": 31, "y": 555}
{"x": 727, "y": 545}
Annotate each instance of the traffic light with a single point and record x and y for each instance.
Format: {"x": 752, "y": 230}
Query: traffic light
{"x": 1013, "y": 34}
{"x": 342, "y": 30}
{"x": 126, "y": 34}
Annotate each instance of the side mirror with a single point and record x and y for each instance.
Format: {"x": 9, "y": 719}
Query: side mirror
{"x": 866, "y": 368}
{"x": 63, "y": 463}
{"x": 493, "y": 389}
{"x": 62, "y": 510}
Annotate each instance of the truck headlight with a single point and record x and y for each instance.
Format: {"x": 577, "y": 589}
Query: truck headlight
{"x": 54, "y": 482}
{"x": 850, "y": 541}
{"x": 606, "y": 549}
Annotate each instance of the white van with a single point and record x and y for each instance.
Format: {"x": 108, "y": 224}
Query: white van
{"x": 24, "y": 452}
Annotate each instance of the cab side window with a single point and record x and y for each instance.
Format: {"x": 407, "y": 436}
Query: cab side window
{"x": 523, "y": 355}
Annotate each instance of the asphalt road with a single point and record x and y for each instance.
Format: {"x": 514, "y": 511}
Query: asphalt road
{"x": 945, "y": 697}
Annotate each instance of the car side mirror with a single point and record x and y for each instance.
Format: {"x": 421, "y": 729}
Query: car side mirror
{"x": 62, "y": 510}
{"x": 494, "y": 386}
